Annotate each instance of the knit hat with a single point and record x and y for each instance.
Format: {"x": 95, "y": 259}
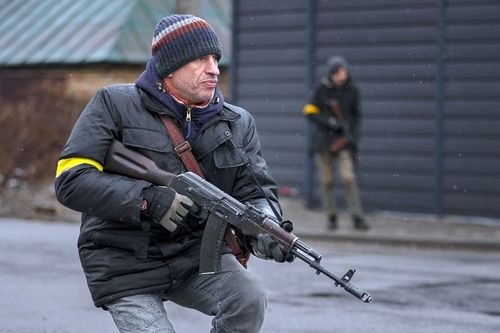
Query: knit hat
{"x": 179, "y": 39}
{"x": 334, "y": 63}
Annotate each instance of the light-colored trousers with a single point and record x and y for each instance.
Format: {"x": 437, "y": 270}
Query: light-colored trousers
{"x": 234, "y": 297}
{"x": 326, "y": 162}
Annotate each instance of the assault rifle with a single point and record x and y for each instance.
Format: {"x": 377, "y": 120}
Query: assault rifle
{"x": 345, "y": 138}
{"x": 219, "y": 209}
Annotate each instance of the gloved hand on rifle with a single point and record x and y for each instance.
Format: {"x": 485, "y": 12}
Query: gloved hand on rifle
{"x": 167, "y": 207}
{"x": 265, "y": 247}
{"x": 334, "y": 124}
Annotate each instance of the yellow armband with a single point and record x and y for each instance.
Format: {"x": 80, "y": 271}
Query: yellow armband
{"x": 310, "y": 109}
{"x": 68, "y": 163}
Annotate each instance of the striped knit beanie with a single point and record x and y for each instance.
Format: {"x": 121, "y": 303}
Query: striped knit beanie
{"x": 179, "y": 39}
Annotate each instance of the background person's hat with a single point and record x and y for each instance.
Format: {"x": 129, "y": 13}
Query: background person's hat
{"x": 335, "y": 62}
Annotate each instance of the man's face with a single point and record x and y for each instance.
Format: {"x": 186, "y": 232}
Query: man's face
{"x": 195, "y": 82}
{"x": 339, "y": 78}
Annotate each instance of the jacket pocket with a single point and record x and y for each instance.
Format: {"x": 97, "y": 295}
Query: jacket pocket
{"x": 226, "y": 156}
{"x": 138, "y": 244}
{"x": 144, "y": 138}
{"x": 153, "y": 144}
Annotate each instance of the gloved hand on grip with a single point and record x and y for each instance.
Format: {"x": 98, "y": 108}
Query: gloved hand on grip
{"x": 266, "y": 248}
{"x": 334, "y": 124}
{"x": 177, "y": 211}
{"x": 167, "y": 207}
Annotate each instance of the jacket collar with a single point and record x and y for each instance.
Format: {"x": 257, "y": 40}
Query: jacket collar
{"x": 329, "y": 84}
{"x": 157, "y": 98}
{"x": 228, "y": 114}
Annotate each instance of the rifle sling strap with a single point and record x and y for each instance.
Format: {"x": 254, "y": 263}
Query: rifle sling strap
{"x": 183, "y": 149}
{"x": 182, "y": 146}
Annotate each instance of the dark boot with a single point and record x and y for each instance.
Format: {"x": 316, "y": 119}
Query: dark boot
{"x": 360, "y": 224}
{"x": 332, "y": 222}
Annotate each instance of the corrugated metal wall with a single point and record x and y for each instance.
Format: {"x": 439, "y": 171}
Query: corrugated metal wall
{"x": 472, "y": 108}
{"x": 429, "y": 75}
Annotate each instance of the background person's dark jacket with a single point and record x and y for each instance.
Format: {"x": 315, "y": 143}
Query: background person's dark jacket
{"x": 348, "y": 98}
{"x": 118, "y": 256}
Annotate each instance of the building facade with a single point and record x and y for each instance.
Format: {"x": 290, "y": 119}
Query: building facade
{"x": 429, "y": 76}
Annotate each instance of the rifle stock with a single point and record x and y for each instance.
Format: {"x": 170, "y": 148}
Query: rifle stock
{"x": 220, "y": 210}
{"x": 128, "y": 162}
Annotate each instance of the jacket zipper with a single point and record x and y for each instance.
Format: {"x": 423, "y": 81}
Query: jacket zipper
{"x": 188, "y": 123}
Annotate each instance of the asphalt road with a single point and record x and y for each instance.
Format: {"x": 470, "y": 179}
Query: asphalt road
{"x": 42, "y": 288}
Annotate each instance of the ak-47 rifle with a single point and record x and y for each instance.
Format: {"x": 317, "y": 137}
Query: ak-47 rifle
{"x": 344, "y": 139}
{"x": 220, "y": 210}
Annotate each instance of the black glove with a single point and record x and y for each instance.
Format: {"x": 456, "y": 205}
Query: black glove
{"x": 167, "y": 207}
{"x": 266, "y": 248}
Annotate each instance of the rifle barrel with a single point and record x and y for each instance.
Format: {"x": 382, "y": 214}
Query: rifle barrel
{"x": 343, "y": 282}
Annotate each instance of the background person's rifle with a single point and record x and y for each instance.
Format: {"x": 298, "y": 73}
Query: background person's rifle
{"x": 220, "y": 209}
{"x": 344, "y": 139}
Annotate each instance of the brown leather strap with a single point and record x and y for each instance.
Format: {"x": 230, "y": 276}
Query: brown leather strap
{"x": 232, "y": 241}
{"x": 182, "y": 147}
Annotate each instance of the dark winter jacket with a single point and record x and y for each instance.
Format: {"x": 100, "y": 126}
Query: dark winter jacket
{"x": 118, "y": 255}
{"x": 319, "y": 111}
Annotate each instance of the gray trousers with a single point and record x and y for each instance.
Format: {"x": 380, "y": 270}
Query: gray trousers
{"x": 234, "y": 297}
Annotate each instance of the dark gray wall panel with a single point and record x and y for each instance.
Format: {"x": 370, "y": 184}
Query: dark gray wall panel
{"x": 486, "y": 109}
{"x": 399, "y": 128}
{"x": 385, "y": 145}
{"x": 472, "y": 33}
{"x": 387, "y": 109}
{"x": 473, "y": 53}
{"x": 262, "y": 89}
{"x": 470, "y": 145}
{"x": 399, "y": 182}
{"x": 415, "y": 202}
{"x": 397, "y": 90}
{"x": 472, "y": 185}
{"x": 381, "y": 53}
{"x": 473, "y": 90}
{"x": 473, "y": 14}
{"x": 460, "y": 164}
{"x": 278, "y": 141}
{"x": 487, "y": 205}
{"x": 374, "y": 4}
{"x": 273, "y": 73}
{"x": 372, "y": 18}
{"x": 272, "y": 21}
{"x": 477, "y": 127}
{"x": 271, "y": 57}
{"x": 277, "y": 106}
{"x": 391, "y": 163}
{"x": 289, "y": 125}
{"x": 290, "y": 37}
{"x": 477, "y": 71}
{"x": 264, "y": 7}
{"x": 377, "y": 35}
{"x": 400, "y": 72}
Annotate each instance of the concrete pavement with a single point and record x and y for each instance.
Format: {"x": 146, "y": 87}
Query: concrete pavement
{"x": 397, "y": 228}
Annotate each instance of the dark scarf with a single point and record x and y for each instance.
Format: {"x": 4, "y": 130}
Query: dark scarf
{"x": 150, "y": 82}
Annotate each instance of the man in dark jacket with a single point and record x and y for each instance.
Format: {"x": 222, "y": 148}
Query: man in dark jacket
{"x": 335, "y": 114}
{"x": 133, "y": 255}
